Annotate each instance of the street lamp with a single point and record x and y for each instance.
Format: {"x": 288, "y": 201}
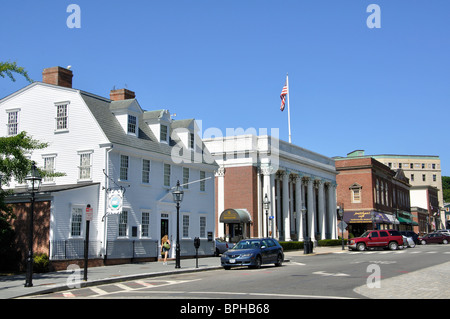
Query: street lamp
{"x": 266, "y": 204}
{"x": 33, "y": 182}
{"x": 341, "y": 215}
{"x": 178, "y": 198}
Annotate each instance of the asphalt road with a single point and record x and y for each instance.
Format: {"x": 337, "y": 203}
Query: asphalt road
{"x": 369, "y": 274}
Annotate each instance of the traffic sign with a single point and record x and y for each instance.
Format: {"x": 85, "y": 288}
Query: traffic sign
{"x": 342, "y": 225}
{"x": 89, "y": 213}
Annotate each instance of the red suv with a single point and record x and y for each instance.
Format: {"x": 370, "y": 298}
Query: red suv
{"x": 391, "y": 239}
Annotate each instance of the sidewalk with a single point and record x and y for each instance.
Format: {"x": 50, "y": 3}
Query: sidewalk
{"x": 13, "y": 286}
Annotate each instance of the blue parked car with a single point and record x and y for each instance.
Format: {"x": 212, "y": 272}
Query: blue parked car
{"x": 253, "y": 253}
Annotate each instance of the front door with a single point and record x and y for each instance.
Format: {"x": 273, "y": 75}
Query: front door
{"x": 164, "y": 227}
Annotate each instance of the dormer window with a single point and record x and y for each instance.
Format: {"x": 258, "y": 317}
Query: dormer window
{"x": 163, "y": 133}
{"x": 132, "y": 124}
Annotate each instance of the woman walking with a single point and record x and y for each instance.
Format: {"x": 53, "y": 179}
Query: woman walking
{"x": 165, "y": 247}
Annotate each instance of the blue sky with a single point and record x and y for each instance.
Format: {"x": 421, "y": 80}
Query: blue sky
{"x": 385, "y": 90}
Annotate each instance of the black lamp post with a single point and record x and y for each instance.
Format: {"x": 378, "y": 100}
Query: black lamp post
{"x": 341, "y": 215}
{"x": 34, "y": 182}
{"x": 178, "y": 198}
{"x": 266, "y": 204}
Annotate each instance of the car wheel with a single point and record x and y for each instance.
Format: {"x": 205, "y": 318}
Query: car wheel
{"x": 393, "y": 245}
{"x": 361, "y": 247}
{"x": 257, "y": 263}
{"x": 279, "y": 261}
{"x": 445, "y": 241}
{"x": 423, "y": 242}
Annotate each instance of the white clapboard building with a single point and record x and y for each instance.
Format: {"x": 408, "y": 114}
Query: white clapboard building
{"x": 104, "y": 146}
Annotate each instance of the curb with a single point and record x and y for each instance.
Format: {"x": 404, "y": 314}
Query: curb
{"x": 104, "y": 281}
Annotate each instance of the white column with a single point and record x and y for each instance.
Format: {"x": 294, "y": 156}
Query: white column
{"x": 260, "y": 214}
{"x": 298, "y": 206}
{"x": 332, "y": 217}
{"x": 272, "y": 206}
{"x": 321, "y": 209}
{"x": 220, "y": 174}
{"x": 266, "y": 190}
{"x": 278, "y": 215}
{"x": 311, "y": 212}
{"x": 285, "y": 198}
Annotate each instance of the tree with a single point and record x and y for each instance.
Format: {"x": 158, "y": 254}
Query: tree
{"x": 446, "y": 188}
{"x": 14, "y": 164}
{"x": 7, "y": 68}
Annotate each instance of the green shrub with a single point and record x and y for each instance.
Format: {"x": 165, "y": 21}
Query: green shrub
{"x": 297, "y": 245}
{"x": 41, "y": 263}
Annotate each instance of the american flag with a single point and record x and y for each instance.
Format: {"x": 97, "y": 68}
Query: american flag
{"x": 284, "y": 91}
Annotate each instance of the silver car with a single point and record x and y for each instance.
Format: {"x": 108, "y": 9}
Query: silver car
{"x": 222, "y": 246}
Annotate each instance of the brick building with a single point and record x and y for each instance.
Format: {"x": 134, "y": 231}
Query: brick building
{"x": 372, "y": 195}
{"x": 253, "y": 169}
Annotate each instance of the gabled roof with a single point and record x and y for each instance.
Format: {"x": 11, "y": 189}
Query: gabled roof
{"x": 101, "y": 109}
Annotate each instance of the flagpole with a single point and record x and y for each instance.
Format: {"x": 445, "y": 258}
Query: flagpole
{"x": 289, "y": 110}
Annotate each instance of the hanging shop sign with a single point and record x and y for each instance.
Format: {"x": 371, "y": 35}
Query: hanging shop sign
{"x": 115, "y": 201}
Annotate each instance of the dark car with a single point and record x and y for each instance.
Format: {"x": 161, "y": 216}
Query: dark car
{"x": 410, "y": 233}
{"x": 434, "y": 238}
{"x": 253, "y": 253}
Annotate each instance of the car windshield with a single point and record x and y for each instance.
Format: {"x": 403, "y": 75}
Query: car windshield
{"x": 247, "y": 244}
{"x": 365, "y": 234}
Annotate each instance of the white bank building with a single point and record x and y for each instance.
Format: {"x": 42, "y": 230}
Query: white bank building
{"x": 267, "y": 187}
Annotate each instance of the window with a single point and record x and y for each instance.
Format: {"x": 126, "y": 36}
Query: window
{"x": 145, "y": 171}
{"x": 77, "y": 217}
{"x": 123, "y": 167}
{"x": 411, "y": 166}
{"x": 49, "y": 167}
{"x": 373, "y": 234}
{"x": 123, "y": 224}
{"x": 191, "y": 140}
{"x": 384, "y": 234}
{"x": 185, "y": 177}
{"x": 412, "y": 177}
{"x": 61, "y": 117}
{"x": 202, "y": 181}
{"x": 131, "y": 124}
{"x": 13, "y": 123}
{"x": 356, "y": 193}
{"x": 433, "y": 166}
{"x": 166, "y": 175}
{"x": 145, "y": 224}
{"x": 424, "y": 178}
{"x": 202, "y": 226}
{"x": 163, "y": 133}
{"x": 423, "y": 165}
{"x": 434, "y": 177}
{"x": 185, "y": 226}
{"x": 85, "y": 166}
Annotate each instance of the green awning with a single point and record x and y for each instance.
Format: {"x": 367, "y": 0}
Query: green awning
{"x": 407, "y": 221}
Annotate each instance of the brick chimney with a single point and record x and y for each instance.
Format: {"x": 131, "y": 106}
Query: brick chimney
{"x": 121, "y": 94}
{"x": 57, "y": 76}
